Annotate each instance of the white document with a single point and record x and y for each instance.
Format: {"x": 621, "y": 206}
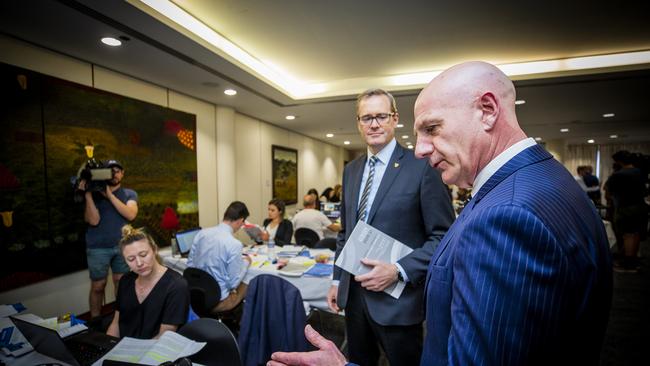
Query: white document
{"x": 367, "y": 242}
{"x": 169, "y": 347}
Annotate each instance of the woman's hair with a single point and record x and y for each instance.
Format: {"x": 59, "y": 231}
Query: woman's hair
{"x": 313, "y": 191}
{"x": 131, "y": 234}
{"x": 326, "y": 192}
{"x": 279, "y": 204}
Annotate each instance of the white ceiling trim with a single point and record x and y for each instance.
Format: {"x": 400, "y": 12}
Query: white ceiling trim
{"x": 174, "y": 16}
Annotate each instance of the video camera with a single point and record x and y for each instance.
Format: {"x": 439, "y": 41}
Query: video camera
{"x": 96, "y": 174}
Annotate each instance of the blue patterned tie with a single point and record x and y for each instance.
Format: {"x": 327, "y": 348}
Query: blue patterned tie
{"x": 363, "y": 204}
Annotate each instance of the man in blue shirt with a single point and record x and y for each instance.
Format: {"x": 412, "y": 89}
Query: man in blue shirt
{"x": 216, "y": 251}
{"x": 106, "y": 212}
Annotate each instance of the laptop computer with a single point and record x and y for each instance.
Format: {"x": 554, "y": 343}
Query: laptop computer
{"x": 81, "y": 349}
{"x": 184, "y": 240}
{"x": 331, "y": 209}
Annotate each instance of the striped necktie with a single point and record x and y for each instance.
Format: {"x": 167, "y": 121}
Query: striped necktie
{"x": 363, "y": 204}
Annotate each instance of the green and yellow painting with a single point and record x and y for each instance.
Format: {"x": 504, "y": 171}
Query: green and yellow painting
{"x": 285, "y": 174}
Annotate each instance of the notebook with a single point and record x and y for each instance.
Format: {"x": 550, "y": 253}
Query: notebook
{"x": 79, "y": 350}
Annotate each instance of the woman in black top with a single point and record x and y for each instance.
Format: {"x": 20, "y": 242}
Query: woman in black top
{"x": 276, "y": 227}
{"x": 151, "y": 299}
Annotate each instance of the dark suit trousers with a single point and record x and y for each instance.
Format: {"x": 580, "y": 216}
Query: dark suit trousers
{"x": 401, "y": 344}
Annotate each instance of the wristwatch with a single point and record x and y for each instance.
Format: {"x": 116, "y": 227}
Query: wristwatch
{"x": 399, "y": 274}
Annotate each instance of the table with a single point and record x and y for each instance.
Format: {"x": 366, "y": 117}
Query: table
{"x": 312, "y": 289}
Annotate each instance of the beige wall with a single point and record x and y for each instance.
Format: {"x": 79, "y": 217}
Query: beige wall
{"x": 233, "y": 158}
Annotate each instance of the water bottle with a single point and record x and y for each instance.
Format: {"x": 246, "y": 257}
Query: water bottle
{"x": 271, "y": 250}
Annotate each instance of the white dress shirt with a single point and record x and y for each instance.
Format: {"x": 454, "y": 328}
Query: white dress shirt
{"x": 493, "y": 166}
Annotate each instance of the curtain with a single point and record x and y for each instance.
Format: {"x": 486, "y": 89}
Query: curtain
{"x": 578, "y": 155}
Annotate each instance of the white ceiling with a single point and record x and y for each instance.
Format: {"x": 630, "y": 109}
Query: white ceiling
{"x": 357, "y": 44}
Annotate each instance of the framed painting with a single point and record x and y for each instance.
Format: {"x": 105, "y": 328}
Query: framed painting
{"x": 285, "y": 174}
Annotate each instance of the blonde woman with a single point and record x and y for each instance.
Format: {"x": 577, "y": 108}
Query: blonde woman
{"x": 151, "y": 299}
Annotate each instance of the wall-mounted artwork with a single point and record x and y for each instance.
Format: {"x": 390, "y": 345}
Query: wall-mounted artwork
{"x": 49, "y": 129}
{"x": 285, "y": 174}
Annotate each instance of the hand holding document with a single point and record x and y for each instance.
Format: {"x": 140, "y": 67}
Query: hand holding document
{"x": 169, "y": 347}
{"x": 367, "y": 242}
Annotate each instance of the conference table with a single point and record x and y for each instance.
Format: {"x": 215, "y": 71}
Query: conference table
{"x": 313, "y": 289}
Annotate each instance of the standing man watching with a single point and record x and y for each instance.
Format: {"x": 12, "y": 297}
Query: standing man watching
{"x": 106, "y": 212}
{"x": 392, "y": 191}
{"x": 524, "y": 276}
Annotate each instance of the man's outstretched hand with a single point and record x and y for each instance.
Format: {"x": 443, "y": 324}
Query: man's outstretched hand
{"x": 326, "y": 355}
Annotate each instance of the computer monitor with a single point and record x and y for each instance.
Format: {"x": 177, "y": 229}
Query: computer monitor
{"x": 184, "y": 240}
{"x": 331, "y": 209}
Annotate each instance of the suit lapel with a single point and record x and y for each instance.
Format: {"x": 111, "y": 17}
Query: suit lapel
{"x": 529, "y": 156}
{"x": 391, "y": 172}
{"x": 356, "y": 175}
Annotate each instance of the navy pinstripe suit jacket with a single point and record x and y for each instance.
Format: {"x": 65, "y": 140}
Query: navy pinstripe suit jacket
{"x": 523, "y": 276}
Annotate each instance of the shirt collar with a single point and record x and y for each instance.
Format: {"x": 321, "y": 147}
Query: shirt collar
{"x": 493, "y": 166}
{"x": 384, "y": 154}
{"x": 226, "y": 227}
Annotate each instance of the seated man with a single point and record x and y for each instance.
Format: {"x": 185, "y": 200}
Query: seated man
{"x": 312, "y": 218}
{"x": 216, "y": 251}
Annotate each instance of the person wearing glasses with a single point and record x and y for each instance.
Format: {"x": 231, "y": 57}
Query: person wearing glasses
{"x": 106, "y": 212}
{"x": 391, "y": 190}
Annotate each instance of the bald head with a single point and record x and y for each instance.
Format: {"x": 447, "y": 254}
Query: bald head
{"x": 309, "y": 201}
{"x": 464, "y": 118}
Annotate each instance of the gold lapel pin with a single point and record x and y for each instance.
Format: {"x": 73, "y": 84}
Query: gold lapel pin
{"x": 396, "y": 165}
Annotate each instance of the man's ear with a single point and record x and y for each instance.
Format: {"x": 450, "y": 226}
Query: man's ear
{"x": 489, "y": 107}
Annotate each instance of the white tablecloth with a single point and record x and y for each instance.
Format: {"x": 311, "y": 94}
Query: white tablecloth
{"x": 312, "y": 289}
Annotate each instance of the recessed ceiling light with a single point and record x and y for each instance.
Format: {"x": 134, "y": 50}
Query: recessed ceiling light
{"x": 608, "y": 115}
{"x": 538, "y": 139}
{"x": 590, "y": 141}
{"x": 399, "y": 125}
{"x": 110, "y": 41}
{"x": 410, "y": 147}
{"x": 290, "y": 117}
{"x": 520, "y": 102}
{"x": 564, "y": 130}
{"x": 346, "y": 142}
{"x": 613, "y": 136}
{"x": 230, "y": 92}
{"x": 405, "y": 136}
{"x": 330, "y": 135}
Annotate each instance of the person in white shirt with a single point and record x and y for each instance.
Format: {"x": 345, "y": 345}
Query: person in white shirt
{"x": 311, "y": 218}
{"x": 216, "y": 251}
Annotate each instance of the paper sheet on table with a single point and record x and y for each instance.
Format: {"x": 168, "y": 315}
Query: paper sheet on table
{"x": 367, "y": 242}
{"x": 169, "y": 347}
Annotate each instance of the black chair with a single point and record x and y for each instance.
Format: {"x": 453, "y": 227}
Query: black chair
{"x": 326, "y": 243}
{"x": 205, "y": 292}
{"x": 306, "y": 237}
{"x": 221, "y": 348}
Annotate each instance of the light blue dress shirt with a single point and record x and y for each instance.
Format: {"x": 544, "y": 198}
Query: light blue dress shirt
{"x": 216, "y": 251}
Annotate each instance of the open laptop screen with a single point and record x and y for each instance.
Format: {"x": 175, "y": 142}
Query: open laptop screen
{"x": 331, "y": 209}
{"x": 45, "y": 341}
{"x": 185, "y": 240}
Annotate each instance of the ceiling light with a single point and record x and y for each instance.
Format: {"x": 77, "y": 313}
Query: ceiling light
{"x": 590, "y": 141}
{"x": 520, "y": 102}
{"x": 564, "y": 130}
{"x": 410, "y": 147}
{"x": 330, "y": 135}
{"x": 538, "y": 139}
{"x": 399, "y": 125}
{"x": 230, "y": 92}
{"x": 608, "y": 115}
{"x": 405, "y": 136}
{"x": 110, "y": 41}
{"x": 346, "y": 142}
{"x": 613, "y": 136}
{"x": 290, "y": 117}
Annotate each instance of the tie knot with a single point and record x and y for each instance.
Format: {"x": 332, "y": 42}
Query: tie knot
{"x": 373, "y": 160}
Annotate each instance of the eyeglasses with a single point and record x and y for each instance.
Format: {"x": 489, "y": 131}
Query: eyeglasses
{"x": 381, "y": 118}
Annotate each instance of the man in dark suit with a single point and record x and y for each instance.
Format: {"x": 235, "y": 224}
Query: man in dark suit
{"x": 524, "y": 276}
{"x": 399, "y": 195}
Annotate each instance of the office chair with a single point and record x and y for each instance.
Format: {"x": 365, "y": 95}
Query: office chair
{"x": 273, "y": 320}
{"x": 205, "y": 292}
{"x": 306, "y": 237}
{"x": 221, "y": 348}
{"x": 326, "y": 243}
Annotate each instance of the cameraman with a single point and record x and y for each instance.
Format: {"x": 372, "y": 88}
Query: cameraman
{"x": 106, "y": 212}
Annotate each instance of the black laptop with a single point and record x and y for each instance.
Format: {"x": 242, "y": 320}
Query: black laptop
{"x": 184, "y": 240}
{"x": 80, "y": 349}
